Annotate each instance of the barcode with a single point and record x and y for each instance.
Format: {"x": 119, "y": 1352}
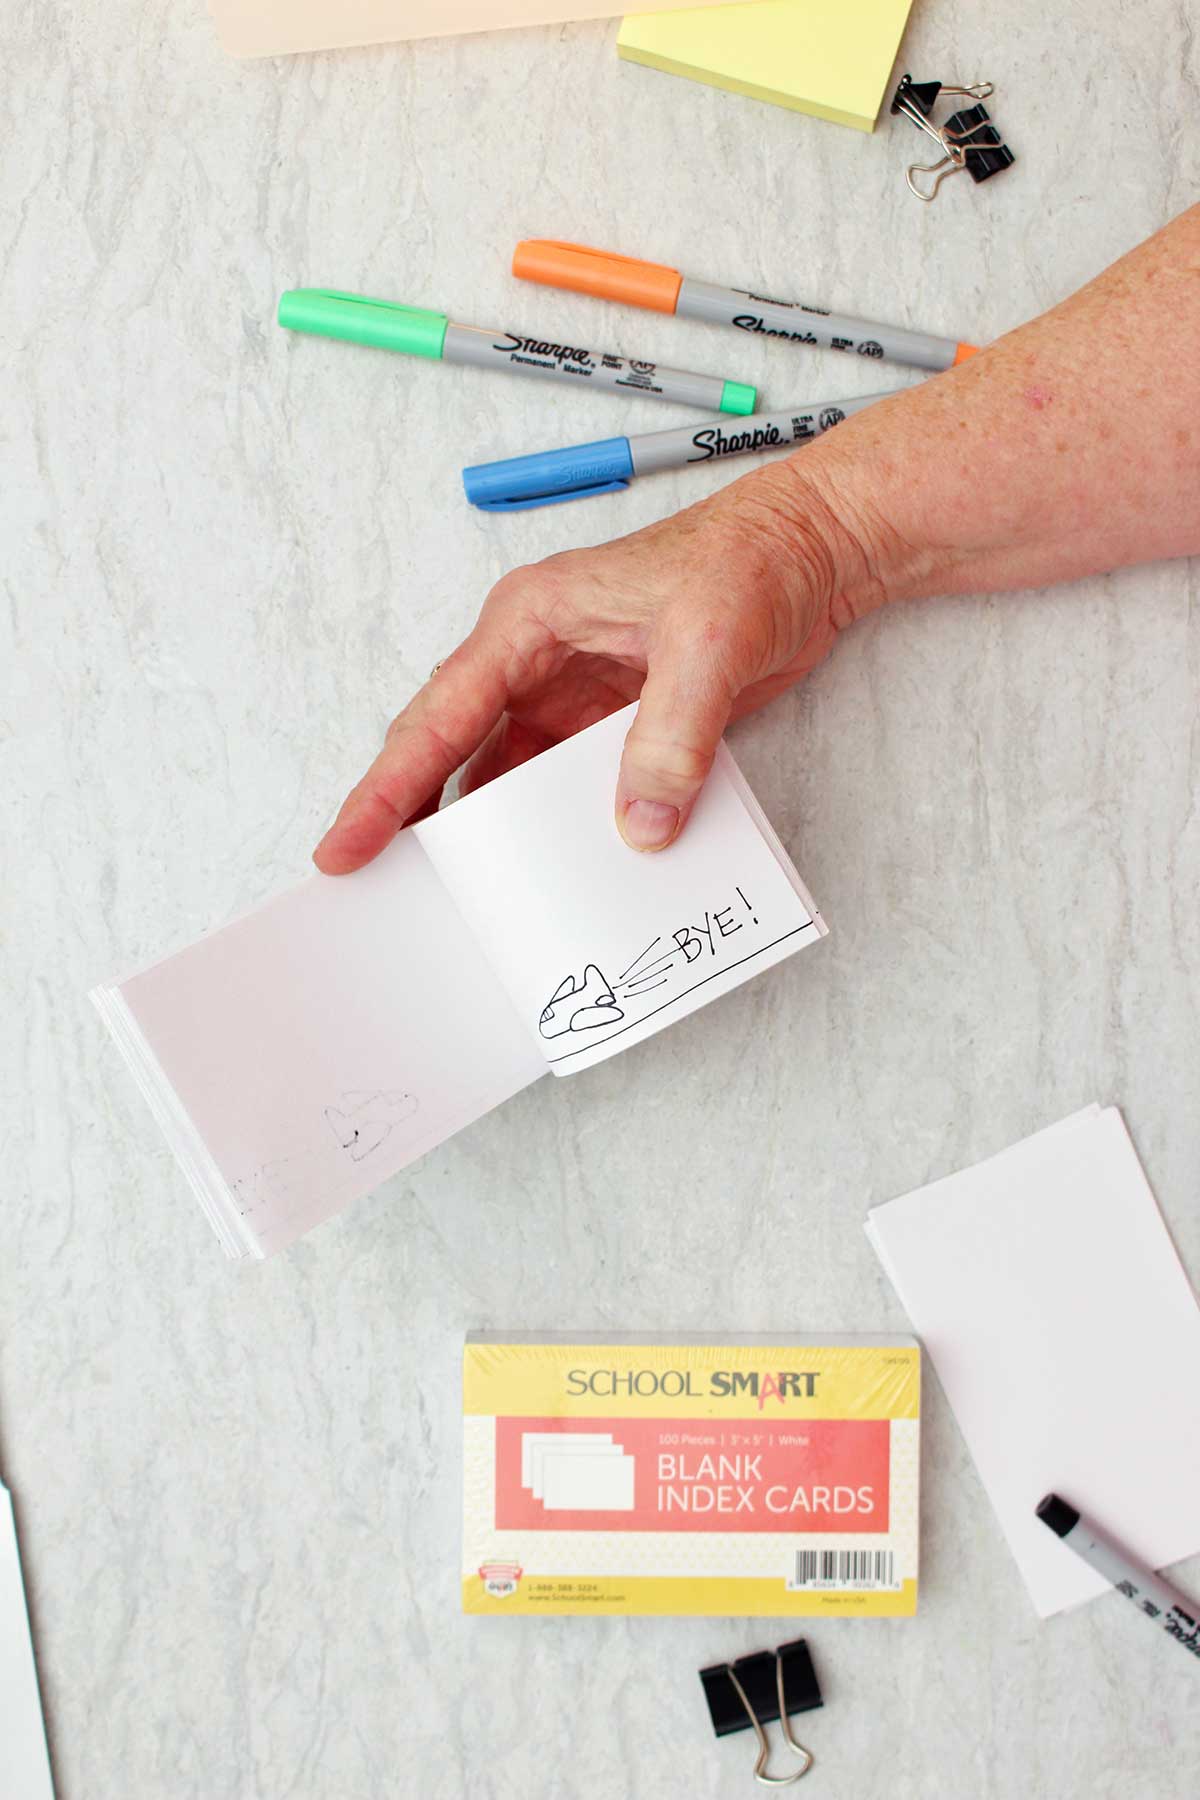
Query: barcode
{"x": 844, "y": 1569}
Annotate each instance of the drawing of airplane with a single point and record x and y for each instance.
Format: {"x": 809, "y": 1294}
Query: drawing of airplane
{"x": 580, "y": 1005}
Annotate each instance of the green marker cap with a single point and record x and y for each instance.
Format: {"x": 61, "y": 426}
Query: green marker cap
{"x": 361, "y": 321}
{"x": 736, "y": 397}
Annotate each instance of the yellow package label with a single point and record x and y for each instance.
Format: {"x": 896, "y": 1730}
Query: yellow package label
{"x": 744, "y": 1478}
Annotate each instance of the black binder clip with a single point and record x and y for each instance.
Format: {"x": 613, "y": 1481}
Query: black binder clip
{"x": 968, "y": 139}
{"x": 747, "y": 1694}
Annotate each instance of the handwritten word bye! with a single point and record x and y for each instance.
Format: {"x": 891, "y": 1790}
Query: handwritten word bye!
{"x": 698, "y": 940}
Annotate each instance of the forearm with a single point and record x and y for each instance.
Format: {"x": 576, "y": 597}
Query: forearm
{"x": 1072, "y": 445}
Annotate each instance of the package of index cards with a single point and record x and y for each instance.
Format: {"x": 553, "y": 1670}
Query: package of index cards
{"x": 752, "y": 1477}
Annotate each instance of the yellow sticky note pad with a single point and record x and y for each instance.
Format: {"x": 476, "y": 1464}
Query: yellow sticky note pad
{"x": 831, "y": 58}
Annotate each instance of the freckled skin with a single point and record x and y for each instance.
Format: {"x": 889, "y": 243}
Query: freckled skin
{"x": 955, "y": 485}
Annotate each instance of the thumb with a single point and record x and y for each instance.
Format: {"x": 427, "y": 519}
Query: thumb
{"x": 669, "y": 750}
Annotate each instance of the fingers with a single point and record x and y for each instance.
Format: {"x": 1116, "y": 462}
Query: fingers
{"x": 526, "y": 633}
{"x": 684, "y": 708}
{"x": 431, "y": 738}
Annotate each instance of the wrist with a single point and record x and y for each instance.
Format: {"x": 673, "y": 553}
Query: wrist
{"x": 847, "y": 493}
{"x": 802, "y": 535}
{"x": 869, "y": 558}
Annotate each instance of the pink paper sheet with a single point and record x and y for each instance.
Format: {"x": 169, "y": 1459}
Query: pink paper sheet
{"x": 282, "y": 27}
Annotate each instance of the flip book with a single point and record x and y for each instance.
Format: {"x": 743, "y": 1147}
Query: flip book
{"x": 305, "y": 1052}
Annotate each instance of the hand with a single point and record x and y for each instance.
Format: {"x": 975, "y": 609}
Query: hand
{"x": 707, "y": 615}
{"x": 1002, "y": 473}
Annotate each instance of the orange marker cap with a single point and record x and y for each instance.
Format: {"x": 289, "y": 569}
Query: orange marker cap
{"x": 597, "y": 272}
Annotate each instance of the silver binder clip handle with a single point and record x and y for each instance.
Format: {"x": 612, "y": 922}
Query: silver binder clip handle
{"x": 950, "y": 164}
{"x": 980, "y": 90}
{"x": 764, "y": 1747}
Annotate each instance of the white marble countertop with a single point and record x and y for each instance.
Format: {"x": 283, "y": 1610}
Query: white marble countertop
{"x": 227, "y": 556}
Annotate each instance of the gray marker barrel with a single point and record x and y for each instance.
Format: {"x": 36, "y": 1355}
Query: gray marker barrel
{"x": 593, "y": 368}
{"x": 653, "y": 450}
{"x": 1179, "y": 1618}
{"x": 799, "y": 324}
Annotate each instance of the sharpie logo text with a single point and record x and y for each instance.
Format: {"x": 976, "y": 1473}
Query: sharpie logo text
{"x": 712, "y": 441}
{"x": 558, "y": 353}
{"x": 753, "y": 322}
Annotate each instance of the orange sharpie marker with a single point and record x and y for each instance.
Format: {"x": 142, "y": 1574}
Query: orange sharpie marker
{"x": 662, "y": 289}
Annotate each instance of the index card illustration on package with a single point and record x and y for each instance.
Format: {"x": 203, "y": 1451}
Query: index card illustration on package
{"x": 746, "y": 1478}
{"x": 302, "y": 1054}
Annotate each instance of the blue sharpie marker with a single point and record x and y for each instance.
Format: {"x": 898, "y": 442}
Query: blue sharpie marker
{"x": 550, "y": 476}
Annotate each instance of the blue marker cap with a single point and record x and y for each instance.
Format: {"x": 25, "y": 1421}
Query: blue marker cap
{"x": 550, "y": 476}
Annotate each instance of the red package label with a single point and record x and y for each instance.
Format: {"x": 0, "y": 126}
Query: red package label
{"x": 627, "y": 1474}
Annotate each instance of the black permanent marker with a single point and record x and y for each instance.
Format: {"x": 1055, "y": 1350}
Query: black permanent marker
{"x": 1178, "y": 1617}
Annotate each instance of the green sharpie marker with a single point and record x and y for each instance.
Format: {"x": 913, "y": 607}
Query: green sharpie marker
{"x": 410, "y": 329}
